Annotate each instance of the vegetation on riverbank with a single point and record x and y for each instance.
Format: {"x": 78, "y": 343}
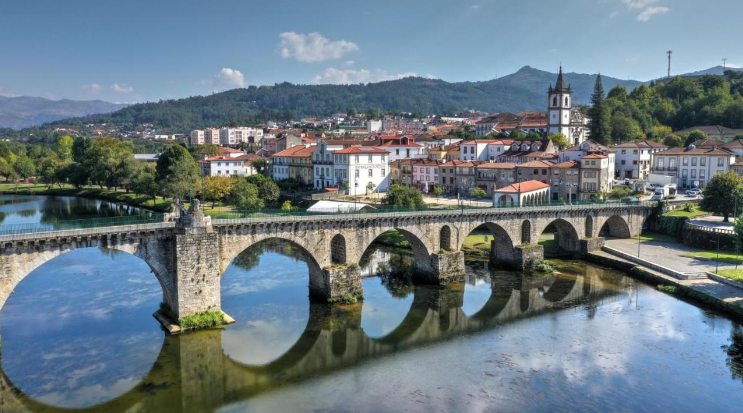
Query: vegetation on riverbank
{"x": 141, "y": 201}
{"x": 654, "y": 236}
{"x": 683, "y": 212}
{"x": 208, "y": 319}
{"x": 476, "y": 246}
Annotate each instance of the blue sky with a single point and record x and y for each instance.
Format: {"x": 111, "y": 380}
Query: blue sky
{"x": 135, "y": 50}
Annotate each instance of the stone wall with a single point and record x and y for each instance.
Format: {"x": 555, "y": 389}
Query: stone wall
{"x": 197, "y": 273}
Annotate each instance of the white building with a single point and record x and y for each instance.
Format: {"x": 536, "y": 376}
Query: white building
{"x": 211, "y": 136}
{"x": 474, "y": 150}
{"x": 402, "y": 147}
{"x": 226, "y": 165}
{"x": 373, "y": 126}
{"x": 633, "y": 159}
{"x": 562, "y": 118}
{"x": 197, "y": 137}
{"x": 693, "y": 166}
{"x": 234, "y": 136}
{"x": 365, "y": 169}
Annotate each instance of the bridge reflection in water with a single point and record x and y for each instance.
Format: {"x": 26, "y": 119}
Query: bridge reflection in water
{"x": 192, "y": 373}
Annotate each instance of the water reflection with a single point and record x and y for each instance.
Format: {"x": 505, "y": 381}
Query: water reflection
{"x": 583, "y": 339}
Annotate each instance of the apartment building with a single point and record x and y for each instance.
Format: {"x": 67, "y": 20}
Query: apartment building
{"x": 693, "y": 166}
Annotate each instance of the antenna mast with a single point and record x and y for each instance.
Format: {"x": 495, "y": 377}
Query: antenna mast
{"x": 669, "y": 53}
{"x": 724, "y": 64}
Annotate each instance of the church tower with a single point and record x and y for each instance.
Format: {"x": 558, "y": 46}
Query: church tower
{"x": 559, "y": 106}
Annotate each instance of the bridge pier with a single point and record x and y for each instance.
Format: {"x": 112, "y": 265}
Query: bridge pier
{"x": 522, "y": 257}
{"x": 591, "y": 244}
{"x": 337, "y": 283}
{"x": 443, "y": 268}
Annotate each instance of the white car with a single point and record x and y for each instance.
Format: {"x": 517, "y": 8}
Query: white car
{"x": 694, "y": 192}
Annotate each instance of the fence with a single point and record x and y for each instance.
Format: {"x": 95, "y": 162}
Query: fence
{"x": 705, "y": 228}
{"x": 80, "y": 224}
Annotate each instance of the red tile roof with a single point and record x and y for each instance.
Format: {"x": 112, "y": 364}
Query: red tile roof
{"x": 523, "y": 187}
{"x": 359, "y": 150}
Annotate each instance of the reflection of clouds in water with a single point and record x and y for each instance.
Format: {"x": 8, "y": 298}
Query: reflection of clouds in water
{"x": 381, "y": 313}
{"x": 270, "y": 303}
{"x": 259, "y": 342}
{"x": 477, "y": 292}
{"x": 79, "y": 329}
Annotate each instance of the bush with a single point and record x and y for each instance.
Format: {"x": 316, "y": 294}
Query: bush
{"x": 209, "y": 319}
{"x": 689, "y": 207}
{"x": 544, "y": 266}
{"x": 403, "y": 196}
{"x": 478, "y": 193}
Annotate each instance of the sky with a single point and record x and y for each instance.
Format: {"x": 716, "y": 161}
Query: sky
{"x": 145, "y": 50}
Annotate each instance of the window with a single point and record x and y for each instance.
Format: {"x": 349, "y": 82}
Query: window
{"x": 685, "y": 161}
{"x": 397, "y": 151}
{"x": 371, "y": 173}
{"x": 702, "y": 161}
{"x": 624, "y": 151}
{"x": 694, "y": 161}
{"x": 672, "y": 163}
{"x": 357, "y": 173}
{"x": 623, "y": 162}
{"x": 357, "y": 159}
{"x": 660, "y": 162}
{"x": 693, "y": 173}
{"x": 701, "y": 174}
{"x": 720, "y": 161}
{"x": 383, "y": 173}
{"x": 554, "y": 101}
{"x": 370, "y": 159}
{"x": 684, "y": 173}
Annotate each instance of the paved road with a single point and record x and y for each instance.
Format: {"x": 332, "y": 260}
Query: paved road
{"x": 713, "y": 221}
{"x": 666, "y": 254}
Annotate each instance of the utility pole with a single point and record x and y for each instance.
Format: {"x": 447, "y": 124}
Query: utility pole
{"x": 724, "y": 64}
{"x": 669, "y": 53}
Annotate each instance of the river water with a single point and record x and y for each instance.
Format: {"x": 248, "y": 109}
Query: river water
{"x": 78, "y": 333}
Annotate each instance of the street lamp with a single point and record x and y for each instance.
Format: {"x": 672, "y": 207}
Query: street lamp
{"x": 355, "y": 191}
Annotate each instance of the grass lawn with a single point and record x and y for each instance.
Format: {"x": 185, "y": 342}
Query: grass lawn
{"x": 727, "y": 257}
{"x": 476, "y": 247}
{"x": 682, "y": 213}
{"x": 652, "y": 236}
{"x": 735, "y": 275}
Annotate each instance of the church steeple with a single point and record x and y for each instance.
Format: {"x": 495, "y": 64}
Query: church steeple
{"x": 560, "y": 86}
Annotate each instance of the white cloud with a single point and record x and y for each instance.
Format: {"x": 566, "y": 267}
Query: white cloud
{"x": 638, "y": 4}
{"x": 313, "y": 47}
{"x": 121, "y": 88}
{"x": 475, "y": 6}
{"x": 349, "y": 63}
{"x": 430, "y": 76}
{"x": 7, "y": 93}
{"x": 632, "y": 59}
{"x": 92, "y": 88}
{"x": 650, "y": 12}
{"x": 335, "y": 76}
{"x": 228, "y": 77}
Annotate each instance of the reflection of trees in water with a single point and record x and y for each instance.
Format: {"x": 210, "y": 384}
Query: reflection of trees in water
{"x": 26, "y": 213}
{"x": 57, "y": 209}
{"x": 734, "y": 352}
{"x": 397, "y": 275}
{"x": 249, "y": 258}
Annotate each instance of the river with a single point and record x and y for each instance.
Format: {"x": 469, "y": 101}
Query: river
{"x": 78, "y": 332}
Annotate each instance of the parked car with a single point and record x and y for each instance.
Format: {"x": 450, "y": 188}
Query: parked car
{"x": 694, "y": 192}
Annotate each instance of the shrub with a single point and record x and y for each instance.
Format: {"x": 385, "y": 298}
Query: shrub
{"x": 208, "y": 319}
{"x": 545, "y": 266}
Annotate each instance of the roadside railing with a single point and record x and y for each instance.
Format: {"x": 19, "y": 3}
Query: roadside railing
{"x": 81, "y": 224}
{"x": 718, "y": 230}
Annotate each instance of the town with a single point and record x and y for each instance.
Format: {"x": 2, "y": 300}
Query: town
{"x": 509, "y": 158}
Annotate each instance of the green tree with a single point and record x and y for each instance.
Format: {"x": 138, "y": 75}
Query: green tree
{"x": 478, "y": 193}
{"x": 173, "y": 154}
{"x": 109, "y": 162}
{"x": 599, "y": 114}
{"x": 144, "y": 183}
{"x": 287, "y": 206}
{"x": 403, "y": 196}
{"x": 534, "y": 136}
{"x": 517, "y": 135}
{"x": 659, "y": 132}
{"x": 181, "y": 180}
{"x": 25, "y": 167}
{"x": 618, "y": 92}
{"x": 244, "y": 195}
{"x": 80, "y": 147}
{"x": 208, "y": 149}
{"x": 217, "y": 188}
{"x": 722, "y": 193}
{"x": 437, "y": 191}
{"x": 673, "y": 141}
{"x": 559, "y": 140}
{"x": 63, "y": 148}
{"x": 7, "y": 171}
{"x": 269, "y": 192}
{"x": 695, "y": 136}
{"x": 259, "y": 165}
{"x": 48, "y": 171}
{"x": 624, "y": 129}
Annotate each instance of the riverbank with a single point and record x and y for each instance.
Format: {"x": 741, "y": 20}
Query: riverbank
{"x": 704, "y": 291}
{"x": 140, "y": 201}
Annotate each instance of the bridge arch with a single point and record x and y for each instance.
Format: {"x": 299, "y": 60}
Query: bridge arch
{"x": 566, "y": 235}
{"x": 18, "y": 266}
{"x": 526, "y": 232}
{"x": 615, "y": 226}
{"x": 421, "y": 245}
{"x": 445, "y": 238}
{"x": 589, "y": 227}
{"x": 338, "y": 249}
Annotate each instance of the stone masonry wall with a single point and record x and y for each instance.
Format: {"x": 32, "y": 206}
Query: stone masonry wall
{"x": 197, "y": 273}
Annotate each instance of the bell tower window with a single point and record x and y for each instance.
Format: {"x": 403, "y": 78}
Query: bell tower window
{"x": 566, "y": 101}
{"x": 554, "y": 101}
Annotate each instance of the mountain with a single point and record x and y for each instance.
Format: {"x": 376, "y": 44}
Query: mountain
{"x": 525, "y": 90}
{"x": 24, "y": 111}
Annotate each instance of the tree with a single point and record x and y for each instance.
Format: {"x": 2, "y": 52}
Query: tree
{"x": 80, "y": 147}
{"x": 217, "y": 188}
{"x": 7, "y": 171}
{"x": 437, "y": 191}
{"x": 559, "y": 140}
{"x": 287, "y": 206}
{"x": 181, "y": 180}
{"x": 144, "y": 183}
{"x": 259, "y": 165}
{"x": 25, "y": 167}
{"x": 673, "y": 141}
{"x": 109, "y": 162}
{"x": 172, "y": 155}
{"x": 402, "y": 196}
{"x": 48, "y": 171}
{"x": 599, "y": 114}
{"x": 517, "y": 135}
{"x": 695, "y": 136}
{"x": 624, "y": 129}
{"x": 478, "y": 193}
{"x": 618, "y": 92}
{"x": 722, "y": 193}
{"x": 619, "y": 192}
{"x": 269, "y": 192}
{"x": 659, "y": 132}
{"x": 63, "y": 148}
{"x": 208, "y": 149}
{"x": 244, "y": 195}
{"x": 534, "y": 136}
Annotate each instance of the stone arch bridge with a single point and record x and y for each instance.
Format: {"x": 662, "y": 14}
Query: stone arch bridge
{"x": 189, "y": 255}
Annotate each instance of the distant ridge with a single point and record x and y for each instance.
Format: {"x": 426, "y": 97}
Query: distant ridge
{"x": 24, "y": 111}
